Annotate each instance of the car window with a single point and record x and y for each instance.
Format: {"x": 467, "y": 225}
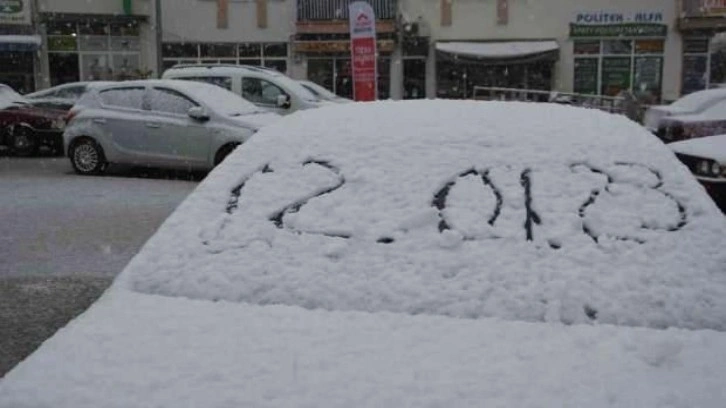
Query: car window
{"x": 131, "y": 97}
{"x": 59, "y": 105}
{"x": 71, "y": 92}
{"x": 257, "y": 90}
{"x": 222, "y": 81}
{"x": 170, "y": 101}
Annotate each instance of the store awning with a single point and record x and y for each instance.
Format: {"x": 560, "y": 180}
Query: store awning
{"x": 20, "y": 42}
{"x": 504, "y": 51}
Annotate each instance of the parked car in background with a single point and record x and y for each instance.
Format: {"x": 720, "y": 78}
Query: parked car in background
{"x": 25, "y": 127}
{"x": 690, "y": 104}
{"x": 70, "y": 92}
{"x": 708, "y": 122}
{"x": 414, "y": 254}
{"x": 264, "y": 87}
{"x": 706, "y": 158}
{"x": 158, "y": 123}
{"x": 322, "y": 92}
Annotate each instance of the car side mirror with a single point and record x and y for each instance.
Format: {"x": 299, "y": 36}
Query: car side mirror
{"x": 198, "y": 113}
{"x": 283, "y": 101}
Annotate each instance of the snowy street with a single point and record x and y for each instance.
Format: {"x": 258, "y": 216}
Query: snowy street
{"x": 63, "y": 238}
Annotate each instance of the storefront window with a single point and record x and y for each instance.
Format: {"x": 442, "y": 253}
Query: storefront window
{"x": 322, "y": 72}
{"x": 384, "y": 78}
{"x": 623, "y": 65}
{"x": 586, "y": 75}
{"x": 270, "y": 55}
{"x": 704, "y": 63}
{"x": 63, "y": 67}
{"x": 458, "y": 79}
{"x": 93, "y": 50}
{"x": 17, "y": 70}
{"x": 343, "y": 78}
{"x": 414, "y": 78}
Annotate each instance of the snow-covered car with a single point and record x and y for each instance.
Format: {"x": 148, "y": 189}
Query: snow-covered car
{"x": 158, "y": 123}
{"x": 711, "y": 121}
{"x": 690, "y": 104}
{"x": 418, "y": 253}
{"x": 26, "y": 125}
{"x": 62, "y": 97}
{"x": 265, "y": 87}
{"x": 322, "y": 92}
{"x": 706, "y": 158}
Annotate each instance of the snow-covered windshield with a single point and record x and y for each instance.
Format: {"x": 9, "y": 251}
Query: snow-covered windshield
{"x": 219, "y": 99}
{"x": 466, "y": 209}
{"x": 295, "y": 87}
{"x": 318, "y": 90}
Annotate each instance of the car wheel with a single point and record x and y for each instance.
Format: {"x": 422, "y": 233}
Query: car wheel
{"x": 87, "y": 157}
{"x": 23, "y": 142}
{"x": 223, "y": 152}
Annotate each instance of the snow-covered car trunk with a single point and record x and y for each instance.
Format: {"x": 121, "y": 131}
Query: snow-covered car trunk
{"x": 424, "y": 253}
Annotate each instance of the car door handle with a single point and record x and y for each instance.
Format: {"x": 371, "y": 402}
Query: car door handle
{"x": 99, "y": 120}
{"x": 153, "y": 125}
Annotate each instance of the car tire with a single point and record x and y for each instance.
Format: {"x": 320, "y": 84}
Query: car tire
{"x": 87, "y": 157}
{"x": 223, "y": 152}
{"x": 23, "y": 142}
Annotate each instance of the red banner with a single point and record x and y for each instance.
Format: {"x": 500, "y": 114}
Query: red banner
{"x": 363, "y": 51}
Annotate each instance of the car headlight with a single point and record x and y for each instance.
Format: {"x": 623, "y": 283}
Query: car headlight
{"x": 715, "y": 169}
{"x": 710, "y": 168}
{"x": 59, "y": 124}
{"x": 704, "y": 168}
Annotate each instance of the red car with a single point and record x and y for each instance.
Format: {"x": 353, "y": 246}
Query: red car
{"x": 711, "y": 121}
{"x": 26, "y": 126}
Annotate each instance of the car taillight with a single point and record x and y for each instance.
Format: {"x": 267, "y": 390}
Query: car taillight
{"x": 70, "y": 115}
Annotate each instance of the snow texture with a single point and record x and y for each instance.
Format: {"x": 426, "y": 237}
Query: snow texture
{"x": 135, "y": 350}
{"x": 466, "y": 209}
{"x": 414, "y": 208}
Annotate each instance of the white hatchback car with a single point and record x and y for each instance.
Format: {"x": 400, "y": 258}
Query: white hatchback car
{"x": 158, "y": 123}
{"x": 414, "y": 254}
{"x": 264, "y": 87}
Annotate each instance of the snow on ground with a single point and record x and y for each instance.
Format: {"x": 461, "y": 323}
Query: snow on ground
{"x": 321, "y": 263}
{"x": 467, "y": 209}
{"x": 135, "y": 350}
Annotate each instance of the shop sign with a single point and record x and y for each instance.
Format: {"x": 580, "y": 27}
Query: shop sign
{"x": 713, "y": 7}
{"x": 607, "y": 17}
{"x": 618, "y": 30}
{"x": 363, "y": 51}
{"x": 14, "y": 12}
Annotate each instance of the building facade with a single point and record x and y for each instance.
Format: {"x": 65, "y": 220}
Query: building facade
{"x": 658, "y": 49}
{"x": 49, "y": 42}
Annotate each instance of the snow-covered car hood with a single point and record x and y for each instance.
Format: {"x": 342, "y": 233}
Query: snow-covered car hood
{"x": 136, "y": 350}
{"x": 419, "y": 253}
{"x": 709, "y": 147}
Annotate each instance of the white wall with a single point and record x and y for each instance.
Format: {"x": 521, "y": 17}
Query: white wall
{"x": 196, "y": 21}
{"x": 140, "y": 7}
{"x": 544, "y": 19}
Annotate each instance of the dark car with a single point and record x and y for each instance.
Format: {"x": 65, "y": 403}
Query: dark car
{"x": 706, "y": 158}
{"x": 709, "y": 122}
{"x": 26, "y": 126}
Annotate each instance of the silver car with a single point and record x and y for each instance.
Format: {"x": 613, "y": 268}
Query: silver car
{"x": 158, "y": 123}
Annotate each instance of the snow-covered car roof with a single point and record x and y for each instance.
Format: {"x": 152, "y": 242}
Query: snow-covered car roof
{"x": 453, "y": 208}
{"x": 322, "y": 262}
{"x": 217, "y": 98}
{"x": 9, "y": 97}
{"x": 709, "y": 147}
